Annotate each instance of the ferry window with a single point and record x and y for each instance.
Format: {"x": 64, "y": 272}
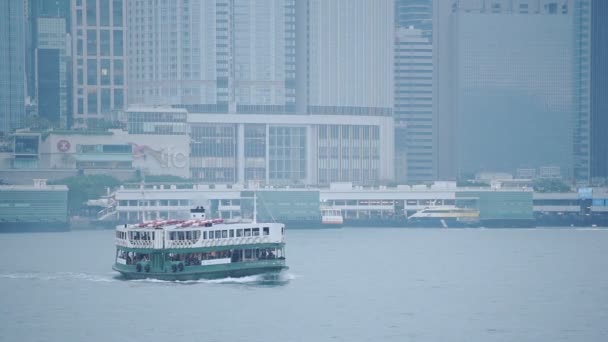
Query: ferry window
{"x": 239, "y": 232}
{"x": 247, "y": 232}
{"x": 256, "y": 231}
{"x": 282, "y": 230}
{"x": 224, "y": 234}
{"x": 218, "y": 234}
{"x": 204, "y": 235}
{"x": 266, "y": 230}
{"x": 231, "y": 232}
{"x": 248, "y": 253}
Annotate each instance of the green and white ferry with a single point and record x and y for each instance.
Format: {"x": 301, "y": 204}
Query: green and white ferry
{"x": 199, "y": 248}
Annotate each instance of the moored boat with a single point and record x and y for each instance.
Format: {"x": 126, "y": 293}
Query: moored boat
{"x": 444, "y": 216}
{"x": 331, "y": 217}
{"x": 199, "y": 248}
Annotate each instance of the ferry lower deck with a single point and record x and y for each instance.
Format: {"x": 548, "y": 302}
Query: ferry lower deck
{"x": 200, "y": 263}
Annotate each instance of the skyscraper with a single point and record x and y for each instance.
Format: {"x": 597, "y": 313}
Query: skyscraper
{"x": 349, "y": 57}
{"x": 12, "y": 65}
{"x": 414, "y": 106}
{"x": 416, "y": 13}
{"x": 213, "y": 56}
{"x": 581, "y": 11}
{"x": 414, "y": 111}
{"x": 599, "y": 89}
{"x": 51, "y": 70}
{"x": 98, "y": 36}
{"x": 55, "y": 13}
{"x": 518, "y": 82}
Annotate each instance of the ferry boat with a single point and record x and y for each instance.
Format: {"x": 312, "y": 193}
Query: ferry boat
{"x": 444, "y": 216}
{"x": 199, "y": 248}
{"x": 331, "y": 217}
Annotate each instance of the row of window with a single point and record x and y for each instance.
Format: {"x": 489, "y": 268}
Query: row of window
{"x": 390, "y": 202}
{"x": 218, "y": 234}
{"x": 159, "y": 203}
{"x": 195, "y": 235}
{"x": 230, "y": 233}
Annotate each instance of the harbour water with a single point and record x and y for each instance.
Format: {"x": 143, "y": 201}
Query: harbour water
{"x": 359, "y": 284}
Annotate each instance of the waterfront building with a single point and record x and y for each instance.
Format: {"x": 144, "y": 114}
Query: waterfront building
{"x": 60, "y": 154}
{"x": 599, "y": 89}
{"x": 414, "y": 110}
{"x": 290, "y": 149}
{"x": 38, "y": 207}
{"x": 98, "y": 40}
{"x": 522, "y": 103}
{"x": 12, "y": 65}
{"x": 367, "y": 206}
{"x": 216, "y": 148}
{"x": 51, "y": 70}
{"x": 358, "y": 205}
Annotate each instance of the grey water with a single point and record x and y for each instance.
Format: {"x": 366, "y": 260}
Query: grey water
{"x": 360, "y": 284}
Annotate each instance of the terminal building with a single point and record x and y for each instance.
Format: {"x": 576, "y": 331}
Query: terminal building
{"x": 359, "y": 205}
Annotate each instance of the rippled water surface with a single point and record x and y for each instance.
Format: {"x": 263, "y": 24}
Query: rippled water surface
{"x": 343, "y": 285}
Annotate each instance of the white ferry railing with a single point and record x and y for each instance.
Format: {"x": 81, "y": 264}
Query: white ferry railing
{"x": 181, "y": 243}
{"x": 141, "y": 243}
{"x": 122, "y": 242}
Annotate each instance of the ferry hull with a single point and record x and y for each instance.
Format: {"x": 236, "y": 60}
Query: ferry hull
{"x": 235, "y": 270}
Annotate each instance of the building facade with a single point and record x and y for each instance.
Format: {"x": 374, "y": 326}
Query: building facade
{"x": 581, "y": 11}
{"x": 213, "y": 56}
{"x": 291, "y": 149}
{"x": 416, "y": 13}
{"x": 414, "y": 110}
{"x": 349, "y": 57}
{"x": 12, "y": 65}
{"x": 39, "y": 207}
{"x": 114, "y": 152}
{"x": 599, "y": 89}
{"x": 520, "y": 103}
{"x": 99, "y": 76}
{"x": 51, "y": 70}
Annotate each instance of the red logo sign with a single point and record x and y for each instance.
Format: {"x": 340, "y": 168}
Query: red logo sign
{"x": 63, "y": 145}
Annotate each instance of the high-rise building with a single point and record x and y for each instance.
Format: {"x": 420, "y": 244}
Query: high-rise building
{"x": 213, "y": 56}
{"x": 581, "y": 12}
{"x": 414, "y": 114}
{"x": 98, "y": 36}
{"x": 12, "y": 65}
{"x": 414, "y": 109}
{"x": 519, "y": 71}
{"x": 599, "y": 89}
{"x": 350, "y": 57}
{"x": 41, "y": 9}
{"x": 416, "y": 13}
{"x": 51, "y": 70}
